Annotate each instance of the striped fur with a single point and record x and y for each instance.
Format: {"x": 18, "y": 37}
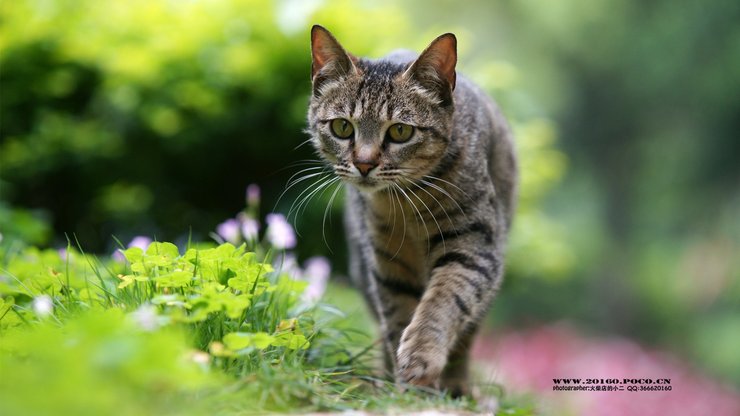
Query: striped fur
{"x": 427, "y": 226}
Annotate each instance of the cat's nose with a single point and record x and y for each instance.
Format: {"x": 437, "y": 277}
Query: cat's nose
{"x": 365, "y": 166}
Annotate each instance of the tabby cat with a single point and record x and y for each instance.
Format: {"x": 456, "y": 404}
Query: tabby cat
{"x": 432, "y": 173}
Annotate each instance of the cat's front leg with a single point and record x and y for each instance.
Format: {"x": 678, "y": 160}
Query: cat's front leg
{"x": 463, "y": 282}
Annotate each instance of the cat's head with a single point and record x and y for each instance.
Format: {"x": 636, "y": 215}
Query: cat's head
{"x": 381, "y": 122}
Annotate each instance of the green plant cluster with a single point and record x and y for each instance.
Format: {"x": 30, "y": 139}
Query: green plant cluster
{"x": 164, "y": 320}
{"x": 211, "y": 330}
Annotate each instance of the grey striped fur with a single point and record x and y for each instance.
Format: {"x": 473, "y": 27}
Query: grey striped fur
{"x": 427, "y": 225}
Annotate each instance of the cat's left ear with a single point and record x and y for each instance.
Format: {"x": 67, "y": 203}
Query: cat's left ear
{"x": 434, "y": 69}
{"x": 329, "y": 60}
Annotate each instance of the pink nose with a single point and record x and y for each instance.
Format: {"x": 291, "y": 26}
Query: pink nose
{"x": 365, "y": 166}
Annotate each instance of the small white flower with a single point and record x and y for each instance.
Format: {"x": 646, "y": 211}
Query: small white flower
{"x": 317, "y": 271}
{"x": 250, "y": 229}
{"x": 229, "y": 231}
{"x": 43, "y": 305}
{"x": 279, "y": 233}
{"x": 200, "y": 357}
{"x": 146, "y": 317}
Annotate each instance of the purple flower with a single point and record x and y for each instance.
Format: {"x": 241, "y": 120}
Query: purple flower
{"x": 253, "y": 194}
{"x": 250, "y": 229}
{"x": 118, "y": 256}
{"x": 317, "y": 270}
{"x": 229, "y": 231}
{"x": 140, "y": 241}
{"x": 279, "y": 233}
{"x": 288, "y": 264}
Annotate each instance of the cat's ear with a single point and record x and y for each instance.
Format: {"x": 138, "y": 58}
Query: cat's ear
{"x": 329, "y": 60}
{"x": 434, "y": 69}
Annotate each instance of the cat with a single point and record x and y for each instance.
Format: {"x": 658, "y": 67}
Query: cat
{"x": 433, "y": 181}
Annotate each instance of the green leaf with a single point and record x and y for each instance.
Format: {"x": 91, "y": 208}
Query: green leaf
{"x": 133, "y": 254}
{"x": 262, "y": 340}
{"x": 138, "y": 268}
{"x": 168, "y": 250}
{"x": 235, "y": 305}
{"x": 237, "y": 340}
{"x": 298, "y": 341}
{"x": 174, "y": 279}
{"x": 5, "y": 305}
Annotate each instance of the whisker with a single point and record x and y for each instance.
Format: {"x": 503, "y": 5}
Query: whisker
{"x": 445, "y": 193}
{"x": 430, "y": 214}
{"x": 324, "y": 188}
{"x": 403, "y": 215}
{"x": 298, "y": 163}
{"x": 444, "y": 246}
{"x": 449, "y": 183}
{"x": 301, "y": 207}
{"x": 413, "y": 205}
{"x": 304, "y": 142}
{"x": 290, "y": 185}
{"x": 326, "y": 210}
{"x": 299, "y": 199}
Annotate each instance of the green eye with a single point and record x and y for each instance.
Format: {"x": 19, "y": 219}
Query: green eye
{"x": 400, "y": 132}
{"x": 342, "y": 128}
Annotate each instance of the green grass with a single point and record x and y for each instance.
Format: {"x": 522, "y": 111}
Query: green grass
{"x": 211, "y": 330}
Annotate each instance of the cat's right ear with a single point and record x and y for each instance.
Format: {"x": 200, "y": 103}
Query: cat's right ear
{"x": 329, "y": 61}
{"x": 434, "y": 69}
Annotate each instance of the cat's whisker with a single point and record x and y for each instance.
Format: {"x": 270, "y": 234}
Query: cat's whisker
{"x": 303, "y": 143}
{"x": 392, "y": 204}
{"x": 449, "y": 183}
{"x": 420, "y": 217}
{"x": 403, "y": 215}
{"x": 303, "y": 203}
{"x": 290, "y": 180}
{"x": 307, "y": 192}
{"x": 443, "y": 210}
{"x": 290, "y": 185}
{"x": 431, "y": 214}
{"x": 326, "y": 210}
{"x": 445, "y": 193}
{"x": 323, "y": 189}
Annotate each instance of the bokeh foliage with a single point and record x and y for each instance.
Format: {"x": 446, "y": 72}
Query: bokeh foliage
{"x": 148, "y": 118}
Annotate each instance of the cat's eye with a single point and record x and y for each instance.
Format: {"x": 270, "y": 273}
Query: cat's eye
{"x": 400, "y": 132}
{"x": 342, "y": 128}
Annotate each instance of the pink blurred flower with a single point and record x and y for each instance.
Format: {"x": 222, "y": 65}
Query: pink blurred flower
{"x": 118, "y": 256}
{"x": 140, "y": 241}
{"x": 250, "y": 228}
{"x": 287, "y": 263}
{"x": 253, "y": 194}
{"x": 279, "y": 233}
{"x": 230, "y": 231}
{"x": 317, "y": 270}
{"x": 528, "y": 361}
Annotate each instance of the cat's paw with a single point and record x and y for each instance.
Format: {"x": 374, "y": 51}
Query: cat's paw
{"x": 456, "y": 387}
{"x": 420, "y": 363}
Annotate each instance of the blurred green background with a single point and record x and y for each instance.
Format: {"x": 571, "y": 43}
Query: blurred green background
{"x": 125, "y": 118}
